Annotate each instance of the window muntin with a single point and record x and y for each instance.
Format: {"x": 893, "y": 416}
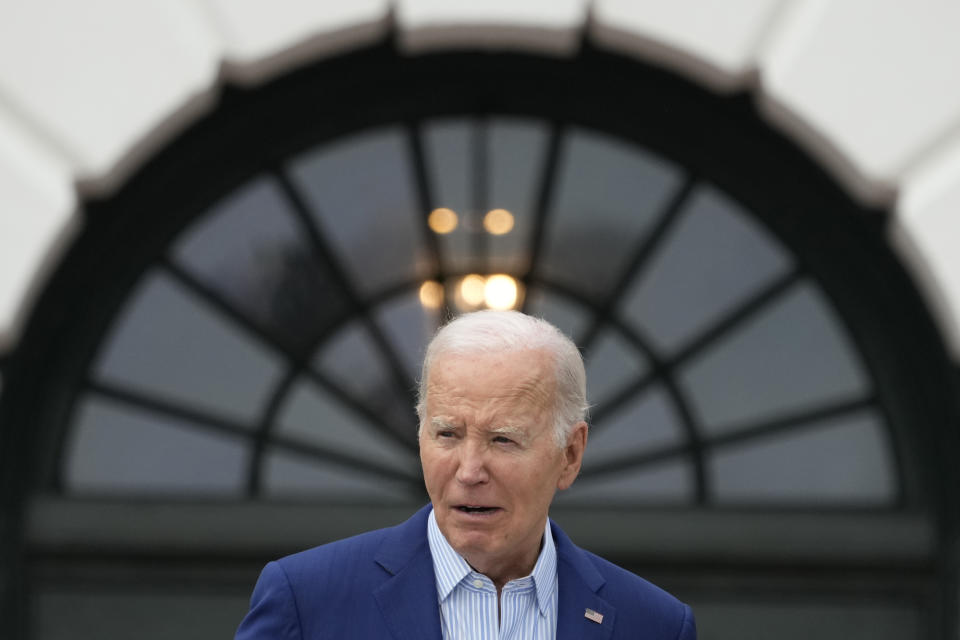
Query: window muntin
{"x": 171, "y": 345}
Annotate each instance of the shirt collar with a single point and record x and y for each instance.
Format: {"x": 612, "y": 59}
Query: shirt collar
{"x": 450, "y": 568}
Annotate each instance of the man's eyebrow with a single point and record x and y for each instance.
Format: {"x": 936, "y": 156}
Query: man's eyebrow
{"x": 508, "y": 428}
{"x": 441, "y": 423}
{"x": 518, "y": 433}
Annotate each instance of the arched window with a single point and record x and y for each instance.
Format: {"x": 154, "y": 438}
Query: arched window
{"x": 239, "y": 330}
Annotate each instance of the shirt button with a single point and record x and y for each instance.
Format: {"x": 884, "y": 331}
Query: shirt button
{"x": 478, "y": 583}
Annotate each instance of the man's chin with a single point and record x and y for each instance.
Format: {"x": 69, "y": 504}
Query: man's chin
{"x": 471, "y": 537}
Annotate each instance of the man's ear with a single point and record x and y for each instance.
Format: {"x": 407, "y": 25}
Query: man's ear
{"x": 573, "y": 455}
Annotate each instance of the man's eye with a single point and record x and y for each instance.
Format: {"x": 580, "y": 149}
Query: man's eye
{"x": 445, "y": 434}
{"x": 502, "y": 439}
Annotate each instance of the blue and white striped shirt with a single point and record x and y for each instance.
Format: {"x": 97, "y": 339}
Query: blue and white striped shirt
{"x": 468, "y": 600}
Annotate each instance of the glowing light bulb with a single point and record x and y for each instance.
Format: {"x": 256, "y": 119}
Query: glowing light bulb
{"x": 442, "y": 220}
{"x": 498, "y": 221}
{"x": 472, "y": 289}
{"x": 501, "y": 292}
{"x": 431, "y": 294}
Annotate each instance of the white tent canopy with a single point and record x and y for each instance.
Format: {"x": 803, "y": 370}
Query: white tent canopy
{"x": 89, "y": 90}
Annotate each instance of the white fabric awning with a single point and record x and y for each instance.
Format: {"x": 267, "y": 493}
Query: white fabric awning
{"x": 88, "y": 92}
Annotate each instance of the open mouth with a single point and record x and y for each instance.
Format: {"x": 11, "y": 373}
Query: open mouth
{"x": 465, "y": 508}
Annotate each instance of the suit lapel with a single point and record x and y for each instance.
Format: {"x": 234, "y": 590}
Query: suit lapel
{"x": 408, "y": 598}
{"x": 578, "y": 582}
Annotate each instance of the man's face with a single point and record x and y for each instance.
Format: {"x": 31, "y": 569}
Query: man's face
{"x": 490, "y": 460}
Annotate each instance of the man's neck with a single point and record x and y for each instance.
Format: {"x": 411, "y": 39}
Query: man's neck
{"x": 500, "y": 573}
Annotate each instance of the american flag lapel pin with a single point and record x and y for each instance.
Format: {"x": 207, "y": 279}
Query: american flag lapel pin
{"x": 595, "y": 616}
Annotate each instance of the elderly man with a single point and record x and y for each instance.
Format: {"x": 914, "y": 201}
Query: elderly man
{"x": 502, "y": 407}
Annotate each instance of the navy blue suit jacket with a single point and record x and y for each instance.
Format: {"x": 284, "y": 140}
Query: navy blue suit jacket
{"x": 381, "y": 585}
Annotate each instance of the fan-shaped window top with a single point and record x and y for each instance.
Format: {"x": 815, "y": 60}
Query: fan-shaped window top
{"x": 274, "y": 349}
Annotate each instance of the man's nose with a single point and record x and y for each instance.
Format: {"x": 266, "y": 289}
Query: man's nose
{"x": 472, "y": 468}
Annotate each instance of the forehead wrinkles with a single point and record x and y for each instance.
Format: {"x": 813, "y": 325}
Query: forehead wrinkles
{"x": 529, "y": 392}
{"x": 530, "y": 386}
{"x": 533, "y": 390}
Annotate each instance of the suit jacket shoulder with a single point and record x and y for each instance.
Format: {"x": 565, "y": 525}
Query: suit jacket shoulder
{"x": 320, "y": 571}
{"x": 631, "y": 605}
{"x": 343, "y": 589}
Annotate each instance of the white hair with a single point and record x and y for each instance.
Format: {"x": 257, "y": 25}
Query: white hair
{"x": 496, "y": 331}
